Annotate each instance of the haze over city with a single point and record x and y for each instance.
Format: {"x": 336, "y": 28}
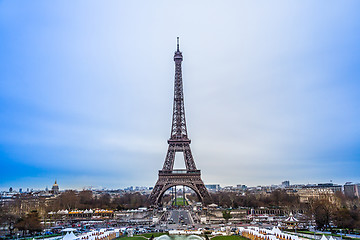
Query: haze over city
{"x": 86, "y": 91}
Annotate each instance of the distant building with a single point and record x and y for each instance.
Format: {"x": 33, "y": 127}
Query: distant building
{"x": 285, "y": 184}
{"x": 333, "y": 187}
{"x": 352, "y": 189}
{"x": 228, "y": 189}
{"x": 213, "y": 187}
{"x": 321, "y": 190}
{"x": 241, "y": 187}
{"x": 55, "y": 188}
{"x": 129, "y": 189}
{"x": 141, "y": 188}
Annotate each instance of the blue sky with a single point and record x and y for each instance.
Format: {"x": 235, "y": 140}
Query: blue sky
{"x": 271, "y": 91}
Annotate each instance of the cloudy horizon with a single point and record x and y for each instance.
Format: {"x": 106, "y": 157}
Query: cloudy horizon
{"x": 271, "y": 91}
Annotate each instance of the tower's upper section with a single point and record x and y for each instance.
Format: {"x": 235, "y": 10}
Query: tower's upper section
{"x": 178, "y": 129}
{"x": 178, "y": 55}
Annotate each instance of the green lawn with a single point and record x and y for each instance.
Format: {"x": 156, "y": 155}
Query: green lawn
{"x": 157, "y": 234}
{"x": 232, "y": 237}
{"x": 131, "y": 238}
{"x": 43, "y": 236}
{"x": 180, "y": 202}
{"x": 141, "y": 236}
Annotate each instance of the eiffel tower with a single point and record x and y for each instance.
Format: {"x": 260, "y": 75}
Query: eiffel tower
{"x": 179, "y": 142}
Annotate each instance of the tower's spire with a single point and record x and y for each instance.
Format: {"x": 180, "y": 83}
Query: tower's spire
{"x": 178, "y": 130}
{"x": 178, "y": 48}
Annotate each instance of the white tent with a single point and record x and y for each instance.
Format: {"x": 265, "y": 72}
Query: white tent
{"x": 213, "y": 205}
{"x": 276, "y": 230}
{"x": 323, "y": 238}
{"x": 291, "y": 218}
{"x": 69, "y": 236}
{"x": 295, "y": 237}
{"x": 69, "y": 230}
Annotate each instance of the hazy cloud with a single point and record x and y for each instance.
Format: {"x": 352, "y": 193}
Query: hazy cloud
{"x": 271, "y": 90}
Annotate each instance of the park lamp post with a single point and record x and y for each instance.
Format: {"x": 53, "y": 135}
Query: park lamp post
{"x": 314, "y": 234}
{"x": 340, "y": 233}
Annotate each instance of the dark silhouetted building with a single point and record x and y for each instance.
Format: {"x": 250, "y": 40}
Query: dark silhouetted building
{"x": 352, "y": 189}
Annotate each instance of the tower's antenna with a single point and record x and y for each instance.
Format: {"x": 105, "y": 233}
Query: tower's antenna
{"x": 178, "y": 44}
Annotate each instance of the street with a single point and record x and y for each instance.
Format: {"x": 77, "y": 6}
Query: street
{"x": 180, "y": 217}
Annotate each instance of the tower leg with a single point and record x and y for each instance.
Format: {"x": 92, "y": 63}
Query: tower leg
{"x": 184, "y": 195}
{"x": 175, "y": 196}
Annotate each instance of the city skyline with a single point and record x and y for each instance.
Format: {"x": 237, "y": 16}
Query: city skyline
{"x": 209, "y": 186}
{"x": 86, "y": 88}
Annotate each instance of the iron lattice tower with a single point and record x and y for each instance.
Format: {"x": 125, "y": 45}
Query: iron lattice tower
{"x": 179, "y": 142}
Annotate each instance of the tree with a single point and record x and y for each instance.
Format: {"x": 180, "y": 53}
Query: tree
{"x": 29, "y": 223}
{"x": 322, "y": 210}
{"x": 68, "y": 200}
{"x": 347, "y": 218}
{"x": 131, "y": 200}
{"x": 7, "y": 219}
{"x": 104, "y": 200}
{"x": 86, "y": 199}
{"x": 226, "y": 215}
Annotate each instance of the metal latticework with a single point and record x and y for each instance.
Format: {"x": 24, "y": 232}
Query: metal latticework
{"x": 178, "y": 142}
